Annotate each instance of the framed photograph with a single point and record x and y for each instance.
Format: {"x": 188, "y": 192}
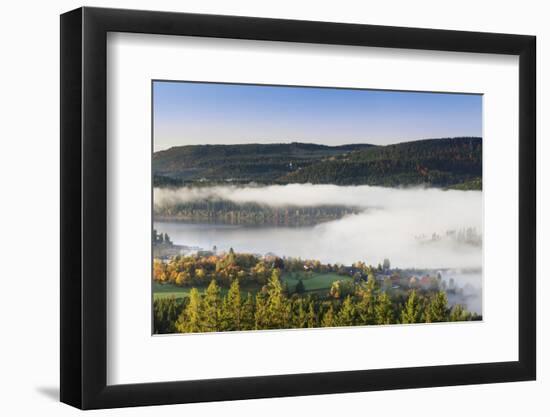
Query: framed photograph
{"x": 257, "y": 208}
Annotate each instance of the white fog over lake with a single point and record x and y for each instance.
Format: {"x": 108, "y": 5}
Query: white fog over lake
{"x": 389, "y": 227}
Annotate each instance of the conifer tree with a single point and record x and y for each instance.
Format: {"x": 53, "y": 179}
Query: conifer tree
{"x": 346, "y": 315}
{"x": 384, "y": 310}
{"x": 190, "y": 320}
{"x": 299, "y": 315}
{"x": 311, "y": 316}
{"x": 367, "y": 303}
{"x": 225, "y": 322}
{"x": 247, "y": 313}
{"x": 212, "y": 308}
{"x": 412, "y": 311}
{"x": 260, "y": 314}
{"x": 328, "y": 318}
{"x": 231, "y": 315}
{"x": 300, "y": 288}
{"x": 165, "y": 315}
{"x": 287, "y": 314}
{"x": 437, "y": 310}
{"x": 277, "y": 312}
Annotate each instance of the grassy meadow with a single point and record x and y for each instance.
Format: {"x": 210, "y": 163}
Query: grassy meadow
{"x": 313, "y": 282}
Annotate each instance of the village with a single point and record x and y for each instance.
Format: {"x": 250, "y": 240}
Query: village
{"x": 322, "y": 277}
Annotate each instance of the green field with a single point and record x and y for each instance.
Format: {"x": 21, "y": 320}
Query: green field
{"x": 170, "y": 290}
{"x": 313, "y": 281}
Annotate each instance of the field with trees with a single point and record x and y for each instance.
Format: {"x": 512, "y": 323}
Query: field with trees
{"x": 236, "y": 292}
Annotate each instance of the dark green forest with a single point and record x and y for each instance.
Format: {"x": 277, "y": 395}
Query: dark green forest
{"x": 242, "y": 163}
{"x": 437, "y": 162}
{"x": 446, "y": 163}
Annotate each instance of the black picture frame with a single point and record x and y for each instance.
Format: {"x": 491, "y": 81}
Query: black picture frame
{"x": 84, "y": 207}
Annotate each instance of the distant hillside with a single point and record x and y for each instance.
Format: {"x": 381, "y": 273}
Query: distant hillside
{"x": 240, "y": 163}
{"x": 436, "y": 162}
{"x": 449, "y": 163}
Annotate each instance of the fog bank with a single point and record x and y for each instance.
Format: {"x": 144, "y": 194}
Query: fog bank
{"x": 308, "y": 195}
{"x": 388, "y": 230}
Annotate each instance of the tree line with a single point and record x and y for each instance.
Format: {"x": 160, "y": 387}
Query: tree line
{"x": 195, "y": 270}
{"x": 273, "y": 308}
{"x": 225, "y": 211}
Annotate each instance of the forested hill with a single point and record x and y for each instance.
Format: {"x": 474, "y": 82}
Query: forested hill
{"x": 448, "y": 163}
{"x": 241, "y": 163}
{"x": 436, "y": 162}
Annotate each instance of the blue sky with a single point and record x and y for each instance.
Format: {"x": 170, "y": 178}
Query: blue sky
{"x": 188, "y": 113}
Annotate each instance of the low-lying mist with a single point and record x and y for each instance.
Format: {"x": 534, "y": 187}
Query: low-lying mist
{"x": 393, "y": 217}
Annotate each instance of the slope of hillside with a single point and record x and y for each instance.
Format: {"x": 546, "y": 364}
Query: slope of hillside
{"x": 435, "y": 162}
{"x": 241, "y": 163}
{"x": 448, "y": 163}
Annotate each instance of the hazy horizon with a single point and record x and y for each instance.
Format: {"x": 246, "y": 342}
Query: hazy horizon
{"x": 194, "y": 113}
